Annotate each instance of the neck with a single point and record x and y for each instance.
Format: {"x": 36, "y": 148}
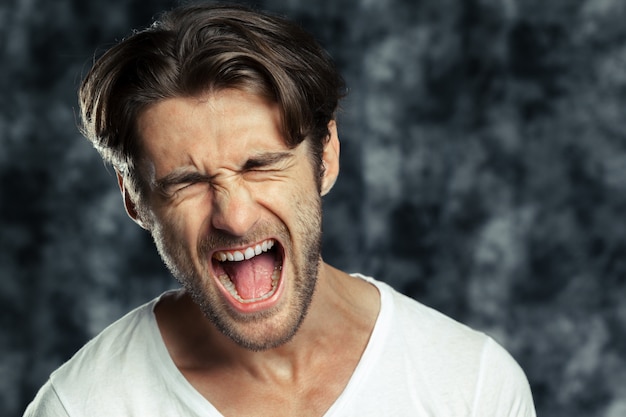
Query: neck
{"x": 342, "y": 314}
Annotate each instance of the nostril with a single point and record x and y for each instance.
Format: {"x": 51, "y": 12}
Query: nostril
{"x": 235, "y": 223}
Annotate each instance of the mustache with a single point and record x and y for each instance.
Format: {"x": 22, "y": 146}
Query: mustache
{"x": 217, "y": 239}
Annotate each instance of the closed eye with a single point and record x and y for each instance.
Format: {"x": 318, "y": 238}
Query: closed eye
{"x": 176, "y": 182}
{"x": 256, "y": 167}
{"x": 266, "y": 166}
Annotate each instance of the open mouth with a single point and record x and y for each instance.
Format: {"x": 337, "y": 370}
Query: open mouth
{"x": 251, "y": 274}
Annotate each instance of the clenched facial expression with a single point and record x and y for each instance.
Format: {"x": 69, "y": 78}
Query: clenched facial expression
{"x": 235, "y": 213}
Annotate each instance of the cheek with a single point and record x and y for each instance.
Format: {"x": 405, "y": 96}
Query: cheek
{"x": 180, "y": 226}
{"x": 306, "y": 209}
{"x": 287, "y": 204}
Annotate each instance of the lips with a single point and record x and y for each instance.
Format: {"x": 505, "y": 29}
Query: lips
{"x": 250, "y": 277}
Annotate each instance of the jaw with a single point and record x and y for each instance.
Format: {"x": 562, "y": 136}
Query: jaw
{"x": 250, "y": 278}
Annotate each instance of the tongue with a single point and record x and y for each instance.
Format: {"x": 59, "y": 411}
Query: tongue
{"x": 252, "y": 278}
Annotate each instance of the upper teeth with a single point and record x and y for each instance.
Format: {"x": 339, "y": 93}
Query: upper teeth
{"x": 247, "y": 253}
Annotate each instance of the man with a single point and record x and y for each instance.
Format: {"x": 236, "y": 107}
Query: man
{"x": 220, "y": 123}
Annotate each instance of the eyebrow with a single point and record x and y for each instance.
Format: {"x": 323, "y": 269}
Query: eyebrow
{"x": 266, "y": 159}
{"x": 180, "y": 176}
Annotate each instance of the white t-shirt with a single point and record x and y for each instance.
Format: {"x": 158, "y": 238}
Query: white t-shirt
{"x": 418, "y": 362}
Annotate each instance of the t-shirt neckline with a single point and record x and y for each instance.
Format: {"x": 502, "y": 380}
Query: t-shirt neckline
{"x": 181, "y": 387}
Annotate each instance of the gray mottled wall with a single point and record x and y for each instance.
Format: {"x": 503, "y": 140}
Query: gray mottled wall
{"x": 484, "y": 173}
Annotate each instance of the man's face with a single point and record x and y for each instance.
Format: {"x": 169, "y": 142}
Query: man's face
{"x": 235, "y": 213}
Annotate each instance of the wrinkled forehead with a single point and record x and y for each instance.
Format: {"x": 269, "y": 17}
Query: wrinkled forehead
{"x": 217, "y": 124}
{"x": 148, "y": 120}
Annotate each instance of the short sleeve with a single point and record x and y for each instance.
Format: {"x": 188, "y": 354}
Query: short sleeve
{"x": 502, "y": 387}
{"x": 46, "y": 404}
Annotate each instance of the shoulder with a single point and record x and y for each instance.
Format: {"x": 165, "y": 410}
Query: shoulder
{"x": 111, "y": 345}
{"x": 98, "y": 365}
{"x": 423, "y": 325}
{"x": 502, "y": 387}
{"x": 449, "y": 360}
{"x": 46, "y": 403}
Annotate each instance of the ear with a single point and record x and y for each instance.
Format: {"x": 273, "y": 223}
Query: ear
{"x": 330, "y": 159}
{"x": 129, "y": 204}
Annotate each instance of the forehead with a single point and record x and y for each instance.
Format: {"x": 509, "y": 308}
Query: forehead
{"x": 212, "y": 107}
{"x": 228, "y": 114}
{"x": 209, "y": 132}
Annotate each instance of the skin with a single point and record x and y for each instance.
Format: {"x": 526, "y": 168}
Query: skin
{"x": 293, "y": 355}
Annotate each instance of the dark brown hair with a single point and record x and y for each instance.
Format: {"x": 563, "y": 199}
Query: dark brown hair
{"x": 199, "y": 49}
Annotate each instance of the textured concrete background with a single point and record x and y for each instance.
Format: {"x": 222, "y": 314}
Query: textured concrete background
{"x": 484, "y": 173}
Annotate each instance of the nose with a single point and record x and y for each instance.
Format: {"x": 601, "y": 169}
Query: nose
{"x": 234, "y": 210}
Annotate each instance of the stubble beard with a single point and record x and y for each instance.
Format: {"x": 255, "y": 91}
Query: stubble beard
{"x": 242, "y": 329}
